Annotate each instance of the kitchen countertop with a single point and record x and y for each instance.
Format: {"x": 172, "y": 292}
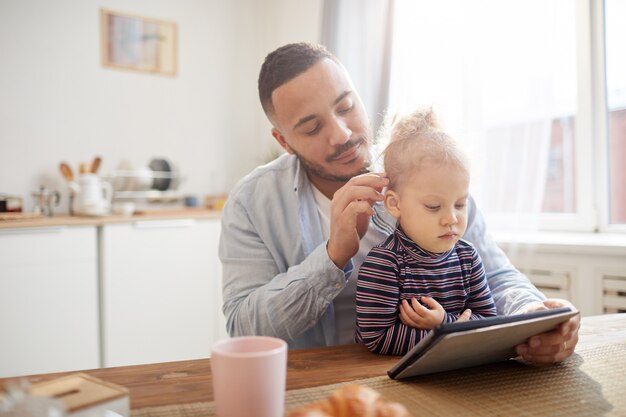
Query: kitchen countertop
{"x": 30, "y": 220}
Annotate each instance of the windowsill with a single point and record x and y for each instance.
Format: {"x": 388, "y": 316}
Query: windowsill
{"x": 571, "y": 242}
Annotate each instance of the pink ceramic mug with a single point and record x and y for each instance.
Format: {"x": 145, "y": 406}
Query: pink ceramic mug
{"x": 249, "y": 376}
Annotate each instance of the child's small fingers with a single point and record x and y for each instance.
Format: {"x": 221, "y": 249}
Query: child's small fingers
{"x": 465, "y": 316}
{"x": 419, "y": 309}
{"x": 404, "y": 317}
{"x": 410, "y": 314}
{"x": 408, "y": 310}
{"x": 430, "y": 302}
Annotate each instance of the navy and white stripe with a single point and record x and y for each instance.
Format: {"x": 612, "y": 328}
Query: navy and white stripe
{"x": 398, "y": 269}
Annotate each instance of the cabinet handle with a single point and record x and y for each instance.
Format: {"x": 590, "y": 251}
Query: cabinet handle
{"x": 30, "y": 230}
{"x": 164, "y": 224}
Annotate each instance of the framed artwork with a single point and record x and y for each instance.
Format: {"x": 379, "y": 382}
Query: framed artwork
{"x": 138, "y": 43}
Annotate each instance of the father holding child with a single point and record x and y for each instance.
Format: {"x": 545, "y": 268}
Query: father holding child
{"x": 296, "y": 230}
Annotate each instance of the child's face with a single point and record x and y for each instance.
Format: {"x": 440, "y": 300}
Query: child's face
{"x": 431, "y": 206}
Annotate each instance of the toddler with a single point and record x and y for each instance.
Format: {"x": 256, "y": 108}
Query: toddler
{"x": 423, "y": 274}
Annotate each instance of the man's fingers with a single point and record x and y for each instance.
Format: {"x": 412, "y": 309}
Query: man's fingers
{"x": 557, "y": 302}
{"x": 537, "y": 307}
{"x": 359, "y": 207}
{"x": 348, "y": 194}
{"x": 362, "y": 223}
{"x": 551, "y": 338}
{"x": 362, "y": 187}
{"x": 570, "y": 328}
{"x": 351, "y": 207}
{"x": 548, "y": 347}
{"x": 350, "y": 217}
{"x": 553, "y": 346}
{"x": 370, "y": 179}
{"x": 547, "y": 354}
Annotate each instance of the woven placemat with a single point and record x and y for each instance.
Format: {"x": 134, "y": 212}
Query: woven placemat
{"x": 591, "y": 383}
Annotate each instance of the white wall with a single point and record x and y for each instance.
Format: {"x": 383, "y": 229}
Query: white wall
{"x": 58, "y": 103}
{"x": 259, "y": 27}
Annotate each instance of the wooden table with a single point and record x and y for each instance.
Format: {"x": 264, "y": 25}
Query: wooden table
{"x": 190, "y": 381}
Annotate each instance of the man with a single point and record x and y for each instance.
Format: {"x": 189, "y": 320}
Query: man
{"x": 295, "y": 231}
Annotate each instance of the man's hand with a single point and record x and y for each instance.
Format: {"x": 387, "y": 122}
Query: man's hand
{"x": 351, "y": 209}
{"x": 553, "y": 346}
{"x": 415, "y": 315}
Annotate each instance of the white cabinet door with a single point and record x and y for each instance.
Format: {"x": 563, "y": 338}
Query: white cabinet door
{"x": 160, "y": 288}
{"x": 48, "y": 300}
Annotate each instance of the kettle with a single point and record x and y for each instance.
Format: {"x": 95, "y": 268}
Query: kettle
{"x": 92, "y": 196}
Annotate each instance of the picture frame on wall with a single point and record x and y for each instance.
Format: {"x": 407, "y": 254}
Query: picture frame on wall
{"x": 137, "y": 43}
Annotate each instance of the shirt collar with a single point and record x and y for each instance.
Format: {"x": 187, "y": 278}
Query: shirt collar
{"x": 416, "y": 252}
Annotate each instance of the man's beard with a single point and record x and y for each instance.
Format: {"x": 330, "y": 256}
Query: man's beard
{"x": 317, "y": 170}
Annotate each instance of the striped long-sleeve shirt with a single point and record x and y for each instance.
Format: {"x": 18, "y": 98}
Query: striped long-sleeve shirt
{"x": 398, "y": 269}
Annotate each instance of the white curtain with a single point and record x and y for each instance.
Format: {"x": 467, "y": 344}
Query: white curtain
{"x": 501, "y": 75}
{"x": 359, "y": 33}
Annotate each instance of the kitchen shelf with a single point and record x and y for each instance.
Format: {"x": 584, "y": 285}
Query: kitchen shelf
{"x": 145, "y": 184}
{"x": 141, "y": 174}
{"x": 152, "y": 195}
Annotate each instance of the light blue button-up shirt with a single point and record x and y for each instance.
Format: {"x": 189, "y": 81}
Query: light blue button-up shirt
{"x": 277, "y": 277}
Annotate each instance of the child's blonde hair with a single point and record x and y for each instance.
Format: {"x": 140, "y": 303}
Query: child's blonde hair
{"x": 413, "y": 138}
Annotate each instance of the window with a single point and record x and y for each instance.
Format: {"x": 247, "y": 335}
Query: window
{"x": 511, "y": 81}
{"x": 615, "y": 37}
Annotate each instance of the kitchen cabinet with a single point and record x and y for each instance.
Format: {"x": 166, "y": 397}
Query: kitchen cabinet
{"x": 48, "y": 300}
{"x": 160, "y": 290}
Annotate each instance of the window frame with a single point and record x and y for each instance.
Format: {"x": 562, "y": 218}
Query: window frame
{"x": 591, "y": 139}
{"x": 592, "y": 172}
{"x": 601, "y": 116}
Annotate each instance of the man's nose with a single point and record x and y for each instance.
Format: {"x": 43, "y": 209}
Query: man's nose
{"x": 340, "y": 132}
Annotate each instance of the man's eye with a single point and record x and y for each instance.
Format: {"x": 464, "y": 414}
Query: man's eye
{"x": 345, "y": 110}
{"x": 313, "y": 131}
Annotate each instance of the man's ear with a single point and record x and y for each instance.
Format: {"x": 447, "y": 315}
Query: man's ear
{"x": 392, "y": 203}
{"x": 281, "y": 141}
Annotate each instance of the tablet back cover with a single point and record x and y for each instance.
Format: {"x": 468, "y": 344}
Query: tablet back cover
{"x": 445, "y": 350}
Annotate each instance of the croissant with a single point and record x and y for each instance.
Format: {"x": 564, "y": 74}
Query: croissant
{"x": 352, "y": 401}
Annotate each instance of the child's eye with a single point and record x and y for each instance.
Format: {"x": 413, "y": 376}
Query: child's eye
{"x": 460, "y": 206}
{"x": 432, "y": 208}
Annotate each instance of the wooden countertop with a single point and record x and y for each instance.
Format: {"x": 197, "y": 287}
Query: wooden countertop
{"x": 190, "y": 381}
{"x": 29, "y": 220}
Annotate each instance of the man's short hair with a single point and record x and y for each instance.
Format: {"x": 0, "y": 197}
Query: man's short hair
{"x": 284, "y": 64}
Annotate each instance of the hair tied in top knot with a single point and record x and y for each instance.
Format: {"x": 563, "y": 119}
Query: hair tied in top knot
{"x": 415, "y": 123}
{"x": 413, "y": 138}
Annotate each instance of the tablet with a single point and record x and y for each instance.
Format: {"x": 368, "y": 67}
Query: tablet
{"x": 475, "y": 342}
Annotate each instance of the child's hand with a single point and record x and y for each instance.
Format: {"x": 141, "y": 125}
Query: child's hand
{"x": 420, "y": 317}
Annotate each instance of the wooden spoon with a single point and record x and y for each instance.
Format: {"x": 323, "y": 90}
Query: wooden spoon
{"x": 95, "y": 164}
{"x": 66, "y": 171}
